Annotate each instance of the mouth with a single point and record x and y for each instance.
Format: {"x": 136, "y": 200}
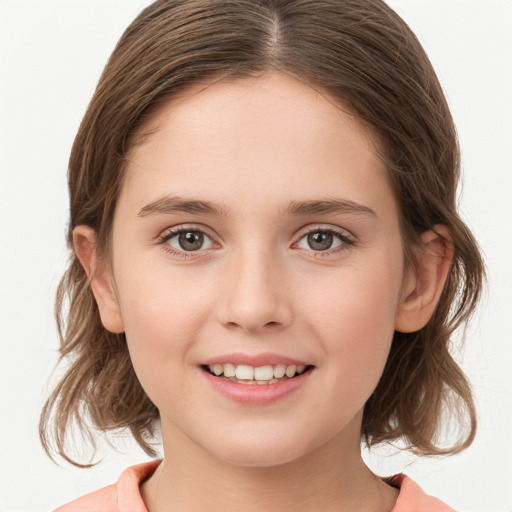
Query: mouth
{"x": 256, "y": 375}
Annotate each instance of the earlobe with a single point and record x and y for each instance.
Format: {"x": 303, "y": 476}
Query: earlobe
{"x": 424, "y": 285}
{"x": 100, "y": 278}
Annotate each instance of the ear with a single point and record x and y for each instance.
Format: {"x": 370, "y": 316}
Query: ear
{"x": 100, "y": 278}
{"x": 423, "y": 285}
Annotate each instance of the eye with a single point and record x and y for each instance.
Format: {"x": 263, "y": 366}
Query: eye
{"x": 188, "y": 240}
{"x": 321, "y": 240}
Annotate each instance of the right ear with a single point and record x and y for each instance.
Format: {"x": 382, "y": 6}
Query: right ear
{"x": 100, "y": 277}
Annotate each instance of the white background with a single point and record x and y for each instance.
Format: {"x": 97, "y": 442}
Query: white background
{"x": 51, "y": 55}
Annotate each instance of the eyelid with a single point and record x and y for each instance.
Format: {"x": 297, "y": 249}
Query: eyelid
{"x": 169, "y": 231}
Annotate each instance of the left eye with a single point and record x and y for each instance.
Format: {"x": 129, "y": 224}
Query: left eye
{"x": 321, "y": 240}
{"x": 189, "y": 240}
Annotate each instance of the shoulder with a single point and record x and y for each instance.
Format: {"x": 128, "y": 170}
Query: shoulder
{"x": 123, "y": 496}
{"x": 102, "y": 500}
{"x": 412, "y": 498}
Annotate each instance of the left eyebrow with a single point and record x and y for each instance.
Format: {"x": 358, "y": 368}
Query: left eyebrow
{"x": 328, "y": 206}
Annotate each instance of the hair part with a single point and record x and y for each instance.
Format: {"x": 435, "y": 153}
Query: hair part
{"x": 365, "y": 57}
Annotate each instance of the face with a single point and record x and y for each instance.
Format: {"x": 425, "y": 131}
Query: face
{"x": 256, "y": 233}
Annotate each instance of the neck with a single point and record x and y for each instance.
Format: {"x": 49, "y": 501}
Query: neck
{"x": 332, "y": 478}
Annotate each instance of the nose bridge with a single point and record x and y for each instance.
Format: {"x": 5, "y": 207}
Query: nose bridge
{"x": 255, "y": 294}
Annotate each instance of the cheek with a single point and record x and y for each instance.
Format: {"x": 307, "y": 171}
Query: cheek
{"x": 162, "y": 318}
{"x": 353, "y": 315}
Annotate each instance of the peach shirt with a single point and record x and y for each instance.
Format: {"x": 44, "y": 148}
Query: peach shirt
{"x": 124, "y": 496}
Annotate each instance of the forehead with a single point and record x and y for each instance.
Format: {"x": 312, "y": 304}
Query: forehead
{"x": 256, "y": 137}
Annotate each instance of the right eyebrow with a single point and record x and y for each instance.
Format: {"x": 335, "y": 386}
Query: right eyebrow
{"x": 176, "y": 204}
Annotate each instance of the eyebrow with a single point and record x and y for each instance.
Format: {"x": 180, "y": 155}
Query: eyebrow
{"x": 168, "y": 204}
{"x": 328, "y": 206}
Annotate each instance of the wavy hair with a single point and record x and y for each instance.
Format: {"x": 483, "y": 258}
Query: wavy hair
{"x": 363, "y": 55}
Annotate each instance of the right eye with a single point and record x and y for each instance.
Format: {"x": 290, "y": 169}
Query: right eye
{"x": 187, "y": 240}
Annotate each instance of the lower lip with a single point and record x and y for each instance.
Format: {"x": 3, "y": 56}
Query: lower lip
{"x": 256, "y": 394}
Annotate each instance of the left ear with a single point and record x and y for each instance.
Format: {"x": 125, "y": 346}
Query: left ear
{"x": 424, "y": 284}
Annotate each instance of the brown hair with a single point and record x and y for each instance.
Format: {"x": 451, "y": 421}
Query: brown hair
{"x": 365, "y": 57}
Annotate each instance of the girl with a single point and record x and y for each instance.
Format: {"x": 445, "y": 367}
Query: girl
{"x": 267, "y": 259}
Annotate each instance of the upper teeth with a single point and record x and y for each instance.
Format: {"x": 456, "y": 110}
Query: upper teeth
{"x": 259, "y": 373}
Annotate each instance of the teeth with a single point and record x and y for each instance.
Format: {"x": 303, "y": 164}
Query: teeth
{"x": 279, "y": 371}
{"x": 244, "y": 372}
{"x": 260, "y": 375}
{"x": 263, "y": 372}
{"x": 229, "y": 370}
{"x": 290, "y": 370}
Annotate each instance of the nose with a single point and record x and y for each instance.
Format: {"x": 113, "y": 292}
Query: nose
{"x": 254, "y": 294}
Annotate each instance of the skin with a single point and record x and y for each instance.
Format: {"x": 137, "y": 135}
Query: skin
{"x": 252, "y": 147}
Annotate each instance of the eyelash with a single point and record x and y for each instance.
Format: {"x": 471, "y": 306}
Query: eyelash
{"x": 344, "y": 239}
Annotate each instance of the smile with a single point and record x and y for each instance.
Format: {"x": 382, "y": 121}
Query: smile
{"x": 259, "y": 375}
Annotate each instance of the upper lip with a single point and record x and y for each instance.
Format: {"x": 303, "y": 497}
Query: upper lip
{"x": 255, "y": 360}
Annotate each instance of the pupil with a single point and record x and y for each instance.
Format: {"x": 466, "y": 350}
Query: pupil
{"x": 191, "y": 241}
{"x": 320, "y": 241}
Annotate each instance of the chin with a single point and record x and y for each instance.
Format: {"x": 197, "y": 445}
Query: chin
{"x": 258, "y": 451}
